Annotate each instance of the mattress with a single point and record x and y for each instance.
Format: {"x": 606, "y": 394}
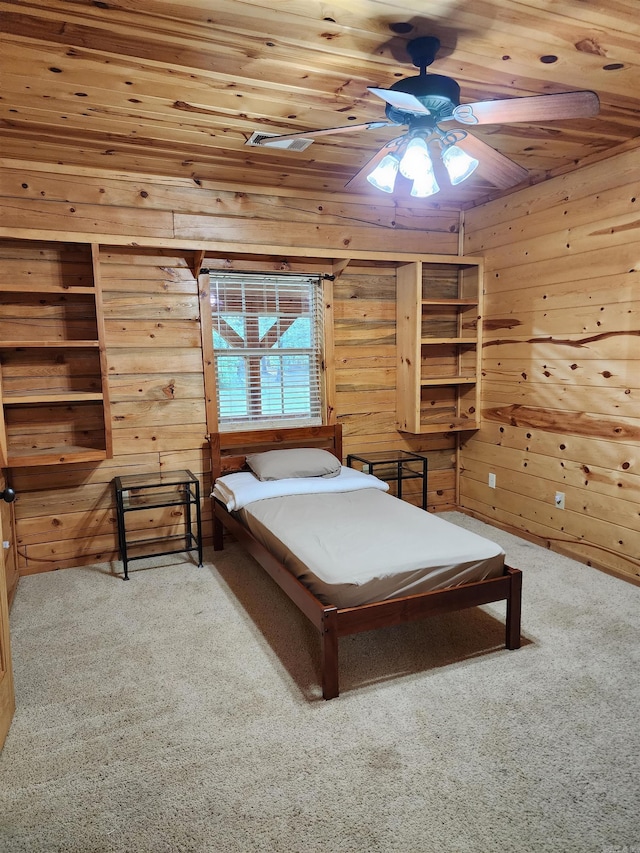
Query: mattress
{"x": 356, "y": 547}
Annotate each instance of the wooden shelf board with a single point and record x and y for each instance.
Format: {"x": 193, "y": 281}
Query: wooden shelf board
{"x": 49, "y": 344}
{"x": 449, "y": 380}
{"x": 62, "y": 397}
{"x": 461, "y": 302}
{"x": 451, "y": 425}
{"x": 39, "y": 288}
{"x": 54, "y": 455}
{"x": 470, "y": 341}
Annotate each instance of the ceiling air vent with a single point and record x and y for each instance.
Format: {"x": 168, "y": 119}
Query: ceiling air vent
{"x": 258, "y": 138}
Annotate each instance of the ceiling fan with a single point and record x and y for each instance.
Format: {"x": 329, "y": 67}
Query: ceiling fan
{"x": 429, "y": 106}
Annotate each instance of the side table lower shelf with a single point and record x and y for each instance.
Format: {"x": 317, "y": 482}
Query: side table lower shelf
{"x": 140, "y": 492}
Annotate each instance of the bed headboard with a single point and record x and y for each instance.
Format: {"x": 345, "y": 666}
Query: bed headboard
{"x": 229, "y": 449}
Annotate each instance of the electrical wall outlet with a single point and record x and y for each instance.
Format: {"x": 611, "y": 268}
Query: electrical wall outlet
{"x": 492, "y": 481}
{"x": 559, "y": 500}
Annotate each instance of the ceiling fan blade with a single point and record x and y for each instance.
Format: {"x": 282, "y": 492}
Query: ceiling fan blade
{"x": 369, "y": 166}
{"x": 534, "y": 109}
{"x": 400, "y": 100}
{"x": 495, "y": 167}
{"x": 327, "y": 131}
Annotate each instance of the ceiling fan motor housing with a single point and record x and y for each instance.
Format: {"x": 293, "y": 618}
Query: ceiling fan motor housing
{"x": 423, "y": 50}
{"x": 439, "y": 94}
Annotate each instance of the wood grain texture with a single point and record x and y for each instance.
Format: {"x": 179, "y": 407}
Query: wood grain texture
{"x": 154, "y": 365}
{"x": 142, "y": 151}
{"x": 106, "y": 208}
{"x": 561, "y": 404}
{"x": 54, "y": 398}
{"x": 163, "y": 88}
{"x": 365, "y": 377}
{"x": 157, "y": 415}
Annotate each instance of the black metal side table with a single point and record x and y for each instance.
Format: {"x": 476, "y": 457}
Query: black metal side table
{"x": 394, "y": 466}
{"x": 139, "y": 492}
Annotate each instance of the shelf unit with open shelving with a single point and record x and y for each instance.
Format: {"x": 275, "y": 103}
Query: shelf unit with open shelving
{"x": 439, "y": 340}
{"x": 53, "y": 388}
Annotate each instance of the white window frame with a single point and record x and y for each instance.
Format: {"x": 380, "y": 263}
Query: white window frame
{"x": 246, "y": 342}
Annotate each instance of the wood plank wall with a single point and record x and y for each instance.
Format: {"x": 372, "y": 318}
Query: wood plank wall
{"x": 365, "y": 359}
{"x": 561, "y": 363}
{"x": 65, "y": 515}
{"x": 145, "y": 210}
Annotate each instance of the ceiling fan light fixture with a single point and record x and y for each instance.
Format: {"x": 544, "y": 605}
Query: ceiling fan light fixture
{"x": 425, "y": 185}
{"x": 416, "y": 160}
{"x": 458, "y": 164}
{"x": 383, "y": 177}
{"x": 427, "y": 105}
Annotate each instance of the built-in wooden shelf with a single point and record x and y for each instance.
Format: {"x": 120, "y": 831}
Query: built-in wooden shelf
{"x": 449, "y": 380}
{"x": 53, "y": 375}
{"x": 14, "y": 399}
{"x": 467, "y": 341}
{"x": 439, "y": 339}
{"x": 469, "y": 302}
{"x": 55, "y": 455}
{"x": 85, "y": 290}
{"x": 65, "y": 344}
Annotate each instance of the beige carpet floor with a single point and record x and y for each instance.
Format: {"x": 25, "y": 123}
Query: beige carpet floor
{"x": 181, "y": 711}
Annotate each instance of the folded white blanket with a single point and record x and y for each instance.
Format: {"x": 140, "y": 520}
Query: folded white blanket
{"x": 237, "y": 490}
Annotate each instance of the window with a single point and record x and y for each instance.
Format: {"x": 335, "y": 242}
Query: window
{"x": 267, "y": 341}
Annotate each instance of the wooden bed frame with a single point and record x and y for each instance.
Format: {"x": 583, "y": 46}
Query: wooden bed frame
{"x": 229, "y": 451}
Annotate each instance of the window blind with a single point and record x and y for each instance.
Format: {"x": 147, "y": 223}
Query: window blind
{"x": 267, "y": 340}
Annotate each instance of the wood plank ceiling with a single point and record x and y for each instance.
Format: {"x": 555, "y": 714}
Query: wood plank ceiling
{"x": 176, "y": 89}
